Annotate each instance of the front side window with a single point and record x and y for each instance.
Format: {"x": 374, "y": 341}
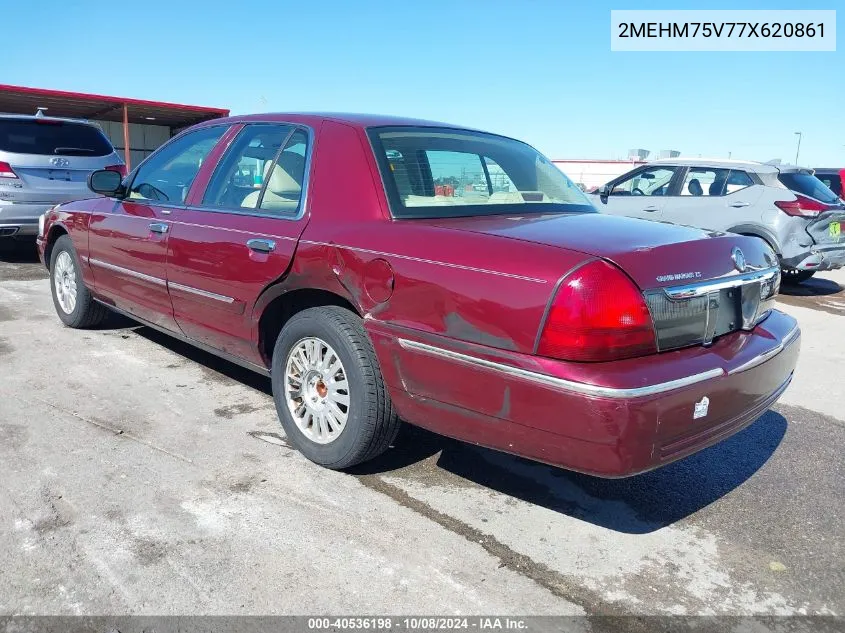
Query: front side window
{"x": 444, "y": 172}
{"x": 704, "y": 181}
{"x": 239, "y": 178}
{"x": 653, "y": 181}
{"x": 168, "y": 174}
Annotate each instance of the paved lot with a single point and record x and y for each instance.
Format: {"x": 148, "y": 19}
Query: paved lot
{"x": 140, "y": 476}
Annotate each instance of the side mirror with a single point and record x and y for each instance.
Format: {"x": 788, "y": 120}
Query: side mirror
{"x": 105, "y": 182}
{"x": 604, "y": 192}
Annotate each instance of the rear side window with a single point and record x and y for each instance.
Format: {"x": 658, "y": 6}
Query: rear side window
{"x": 53, "y": 138}
{"x": 704, "y": 181}
{"x": 737, "y": 180}
{"x": 239, "y": 178}
{"x": 807, "y": 184}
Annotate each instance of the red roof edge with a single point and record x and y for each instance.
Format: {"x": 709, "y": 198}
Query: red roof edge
{"x": 116, "y": 100}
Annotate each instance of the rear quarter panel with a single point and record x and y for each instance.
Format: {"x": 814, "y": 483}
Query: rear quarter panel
{"x": 410, "y": 274}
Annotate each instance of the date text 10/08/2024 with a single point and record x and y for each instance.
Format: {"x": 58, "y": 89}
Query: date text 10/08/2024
{"x": 416, "y": 623}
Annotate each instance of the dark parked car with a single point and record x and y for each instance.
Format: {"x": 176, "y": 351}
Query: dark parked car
{"x": 832, "y": 178}
{"x": 379, "y": 268}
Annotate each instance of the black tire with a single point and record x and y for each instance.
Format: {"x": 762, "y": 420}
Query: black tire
{"x": 372, "y": 423}
{"x": 86, "y": 312}
{"x": 792, "y": 276}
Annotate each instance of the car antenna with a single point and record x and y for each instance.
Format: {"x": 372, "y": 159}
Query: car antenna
{"x": 39, "y": 112}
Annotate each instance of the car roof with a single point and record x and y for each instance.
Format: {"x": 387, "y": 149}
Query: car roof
{"x": 354, "y": 119}
{"x": 725, "y": 163}
{"x": 30, "y": 117}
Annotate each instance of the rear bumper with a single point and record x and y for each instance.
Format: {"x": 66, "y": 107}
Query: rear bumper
{"x": 819, "y": 258}
{"x": 21, "y": 219}
{"x": 607, "y": 419}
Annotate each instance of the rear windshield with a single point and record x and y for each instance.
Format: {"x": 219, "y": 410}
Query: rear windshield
{"x": 56, "y": 138}
{"x": 442, "y": 173}
{"x": 807, "y": 184}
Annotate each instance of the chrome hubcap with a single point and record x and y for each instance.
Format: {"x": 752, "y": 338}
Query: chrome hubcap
{"x": 316, "y": 390}
{"x": 64, "y": 282}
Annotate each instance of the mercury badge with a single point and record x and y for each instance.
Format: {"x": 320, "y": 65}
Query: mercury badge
{"x": 739, "y": 260}
{"x": 701, "y": 408}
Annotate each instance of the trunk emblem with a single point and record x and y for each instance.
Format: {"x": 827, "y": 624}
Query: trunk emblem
{"x": 701, "y": 408}
{"x": 60, "y": 162}
{"x": 739, "y": 260}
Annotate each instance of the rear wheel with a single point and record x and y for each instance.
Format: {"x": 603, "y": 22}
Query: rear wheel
{"x": 329, "y": 391}
{"x": 794, "y": 276}
{"x": 74, "y": 304}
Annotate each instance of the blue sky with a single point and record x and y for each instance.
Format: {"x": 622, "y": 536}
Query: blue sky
{"x": 539, "y": 70}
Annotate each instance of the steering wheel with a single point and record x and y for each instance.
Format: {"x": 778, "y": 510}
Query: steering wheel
{"x": 636, "y": 191}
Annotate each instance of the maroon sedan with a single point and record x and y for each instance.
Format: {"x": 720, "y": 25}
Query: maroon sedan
{"x": 380, "y": 268}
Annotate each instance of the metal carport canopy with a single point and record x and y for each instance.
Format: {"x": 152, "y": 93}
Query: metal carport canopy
{"x": 26, "y": 100}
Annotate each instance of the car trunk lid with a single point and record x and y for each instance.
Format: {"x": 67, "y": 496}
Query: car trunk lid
{"x": 698, "y": 285}
{"x": 52, "y": 179}
{"x": 653, "y": 254}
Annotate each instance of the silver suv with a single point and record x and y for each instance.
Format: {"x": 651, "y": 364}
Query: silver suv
{"x": 45, "y": 161}
{"x": 787, "y": 206}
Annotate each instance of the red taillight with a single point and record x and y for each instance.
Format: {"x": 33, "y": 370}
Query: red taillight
{"x": 6, "y": 171}
{"x": 598, "y": 314}
{"x": 121, "y": 169}
{"x": 802, "y": 206}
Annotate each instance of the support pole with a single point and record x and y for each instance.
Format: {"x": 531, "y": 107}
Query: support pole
{"x": 126, "y": 158}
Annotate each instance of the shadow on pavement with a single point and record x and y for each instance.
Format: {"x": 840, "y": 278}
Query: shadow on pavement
{"x": 813, "y": 287}
{"x": 634, "y": 505}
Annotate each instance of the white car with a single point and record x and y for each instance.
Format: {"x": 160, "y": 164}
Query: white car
{"x": 787, "y": 206}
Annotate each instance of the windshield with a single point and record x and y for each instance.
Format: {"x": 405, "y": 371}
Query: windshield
{"x": 49, "y": 136}
{"x": 808, "y": 185}
{"x": 443, "y": 173}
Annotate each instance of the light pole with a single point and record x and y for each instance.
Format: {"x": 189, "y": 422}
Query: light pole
{"x": 798, "y": 149}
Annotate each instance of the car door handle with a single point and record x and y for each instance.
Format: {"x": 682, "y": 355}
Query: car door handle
{"x": 158, "y": 227}
{"x": 261, "y": 245}
{"x": 739, "y": 205}
{"x": 650, "y": 209}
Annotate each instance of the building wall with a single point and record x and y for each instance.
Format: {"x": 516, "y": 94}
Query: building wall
{"x": 143, "y": 138}
{"x": 594, "y": 173}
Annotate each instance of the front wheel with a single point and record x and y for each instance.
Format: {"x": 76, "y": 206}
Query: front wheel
{"x": 73, "y": 301}
{"x": 329, "y": 391}
{"x": 794, "y": 276}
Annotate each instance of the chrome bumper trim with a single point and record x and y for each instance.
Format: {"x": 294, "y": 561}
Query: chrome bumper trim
{"x": 560, "y": 383}
{"x": 702, "y": 288}
{"x": 762, "y": 358}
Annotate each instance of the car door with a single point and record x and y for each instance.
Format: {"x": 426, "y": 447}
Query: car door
{"x": 239, "y": 235}
{"x": 713, "y": 198}
{"x": 639, "y": 194}
{"x": 127, "y": 242}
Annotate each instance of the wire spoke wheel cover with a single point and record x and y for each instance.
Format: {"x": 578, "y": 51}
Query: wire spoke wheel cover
{"x": 316, "y": 390}
{"x": 64, "y": 281}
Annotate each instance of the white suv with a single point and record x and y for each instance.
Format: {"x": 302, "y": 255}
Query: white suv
{"x": 45, "y": 161}
{"x": 787, "y": 206}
